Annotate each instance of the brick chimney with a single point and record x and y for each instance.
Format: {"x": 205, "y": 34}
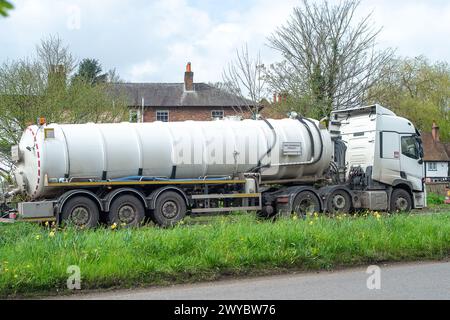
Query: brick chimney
{"x": 435, "y": 132}
{"x": 188, "y": 78}
{"x": 56, "y": 76}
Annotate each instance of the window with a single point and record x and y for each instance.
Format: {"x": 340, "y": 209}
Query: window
{"x": 162, "y": 116}
{"x": 134, "y": 117}
{"x": 432, "y": 166}
{"x": 217, "y": 114}
{"x": 409, "y": 147}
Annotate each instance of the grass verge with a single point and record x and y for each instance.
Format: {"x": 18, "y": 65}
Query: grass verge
{"x": 35, "y": 259}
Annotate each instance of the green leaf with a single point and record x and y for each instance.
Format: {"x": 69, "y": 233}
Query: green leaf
{"x": 4, "y": 6}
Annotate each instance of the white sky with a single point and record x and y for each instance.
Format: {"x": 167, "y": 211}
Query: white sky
{"x": 151, "y": 41}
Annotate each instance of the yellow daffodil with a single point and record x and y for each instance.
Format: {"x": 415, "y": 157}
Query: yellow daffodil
{"x": 114, "y": 226}
{"x": 51, "y": 234}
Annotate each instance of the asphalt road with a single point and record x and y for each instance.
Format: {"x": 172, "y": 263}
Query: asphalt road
{"x": 408, "y": 281}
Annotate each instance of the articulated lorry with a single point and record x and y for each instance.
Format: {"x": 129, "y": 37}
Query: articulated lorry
{"x": 360, "y": 158}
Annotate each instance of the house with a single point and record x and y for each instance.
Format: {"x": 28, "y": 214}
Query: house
{"x": 182, "y": 101}
{"x": 436, "y": 156}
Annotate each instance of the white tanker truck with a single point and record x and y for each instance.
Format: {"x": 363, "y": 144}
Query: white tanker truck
{"x": 121, "y": 173}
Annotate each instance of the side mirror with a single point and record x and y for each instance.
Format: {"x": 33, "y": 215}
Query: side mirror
{"x": 420, "y": 161}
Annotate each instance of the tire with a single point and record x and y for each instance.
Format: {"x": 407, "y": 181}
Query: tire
{"x": 81, "y": 212}
{"x": 306, "y": 204}
{"x": 126, "y": 210}
{"x": 400, "y": 201}
{"x": 339, "y": 201}
{"x": 170, "y": 208}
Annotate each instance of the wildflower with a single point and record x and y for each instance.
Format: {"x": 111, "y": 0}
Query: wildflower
{"x": 316, "y": 214}
{"x": 28, "y": 266}
{"x": 46, "y": 223}
{"x": 38, "y": 237}
{"x": 123, "y": 224}
{"x": 295, "y": 217}
{"x": 311, "y": 222}
{"x": 15, "y": 276}
{"x": 113, "y": 226}
{"x": 51, "y": 234}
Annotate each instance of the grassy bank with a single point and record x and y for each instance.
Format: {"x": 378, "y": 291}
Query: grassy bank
{"x": 35, "y": 259}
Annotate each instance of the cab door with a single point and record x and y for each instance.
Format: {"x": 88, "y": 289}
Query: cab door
{"x": 411, "y": 164}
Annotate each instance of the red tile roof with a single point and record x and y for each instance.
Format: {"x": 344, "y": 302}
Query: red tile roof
{"x": 434, "y": 151}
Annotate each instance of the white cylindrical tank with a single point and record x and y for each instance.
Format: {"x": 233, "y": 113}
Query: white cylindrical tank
{"x": 177, "y": 150}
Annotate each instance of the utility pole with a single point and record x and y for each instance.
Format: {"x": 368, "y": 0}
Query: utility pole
{"x": 142, "y": 110}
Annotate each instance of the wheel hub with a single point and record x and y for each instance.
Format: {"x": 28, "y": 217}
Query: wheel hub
{"x": 339, "y": 202}
{"x": 401, "y": 204}
{"x": 306, "y": 207}
{"x": 80, "y": 216}
{"x": 127, "y": 214}
{"x": 169, "y": 209}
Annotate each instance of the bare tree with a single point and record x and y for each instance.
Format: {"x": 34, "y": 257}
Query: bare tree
{"x": 113, "y": 76}
{"x": 52, "y": 52}
{"x": 26, "y": 94}
{"x": 244, "y": 78}
{"x": 327, "y": 57}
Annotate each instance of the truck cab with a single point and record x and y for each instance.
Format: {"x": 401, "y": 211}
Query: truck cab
{"x": 383, "y": 153}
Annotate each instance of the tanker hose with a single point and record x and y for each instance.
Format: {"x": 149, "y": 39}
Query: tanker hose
{"x": 321, "y": 141}
{"x": 274, "y": 133}
{"x": 300, "y": 119}
{"x": 11, "y": 193}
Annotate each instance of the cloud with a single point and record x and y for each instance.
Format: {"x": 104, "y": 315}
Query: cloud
{"x": 153, "y": 40}
{"x": 142, "y": 71}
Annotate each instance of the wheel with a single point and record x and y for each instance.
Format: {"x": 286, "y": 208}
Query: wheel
{"x": 170, "y": 208}
{"x": 400, "y": 201}
{"x": 126, "y": 210}
{"x": 306, "y": 204}
{"x": 82, "y": 212}
{"x": 339, "y": 202}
